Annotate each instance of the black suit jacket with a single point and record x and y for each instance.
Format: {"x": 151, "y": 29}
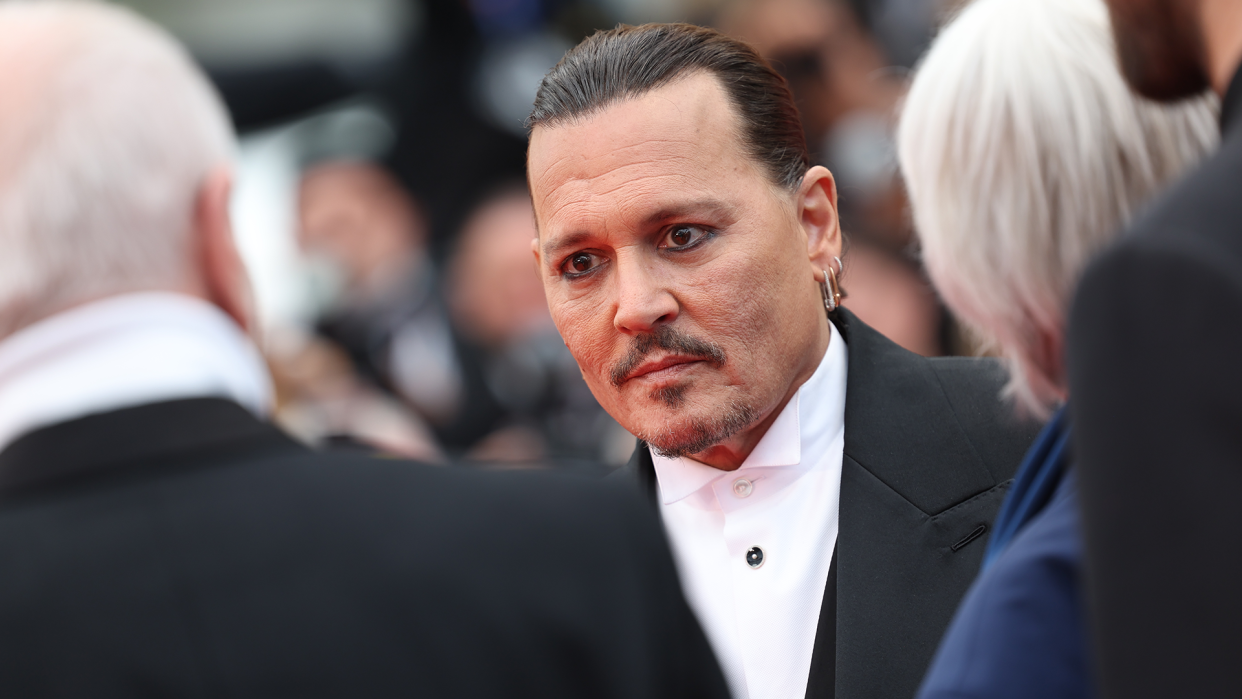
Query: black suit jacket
{"x": 930, "y": 450}
{"x": 188, "y": 549}
{"x": 1155, "y": 358}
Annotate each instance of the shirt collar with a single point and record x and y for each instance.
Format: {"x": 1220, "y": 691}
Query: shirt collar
{"x": 810, "y": 420}
{"x": 123, "y": 351}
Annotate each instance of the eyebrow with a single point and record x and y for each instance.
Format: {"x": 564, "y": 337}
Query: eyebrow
{"x": 698, "y": 207}
{"x": 714, "y": 207}
{"x": 551, "y": 249}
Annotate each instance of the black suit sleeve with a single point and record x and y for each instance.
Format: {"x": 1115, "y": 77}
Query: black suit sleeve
{"x": 1155, "y": 357}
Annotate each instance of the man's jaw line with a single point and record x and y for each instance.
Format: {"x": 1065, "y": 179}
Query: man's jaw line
{"x": 716, "y": 433}
{"x": 721, "y": 441}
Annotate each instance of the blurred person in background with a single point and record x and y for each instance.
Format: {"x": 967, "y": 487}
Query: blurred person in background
{"x": 1025, "y": 153}
{"x": 498, "y": 310}
{"x": 1154, "y": 345}
{"x": 361, "y": 231}
{"x": 822, "y": 487}
{"x": 322, "y": 399}
{"x": 847, "y": 91}
{"x": 472, "y": 351}
{"x": 525, "y": 398}
{"x": 891, "y": 290}
{"x": 160, "y": 537}
{"x": 365, "y": 241}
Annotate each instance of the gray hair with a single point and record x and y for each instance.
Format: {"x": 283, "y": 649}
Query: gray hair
{"x": 101, "y": 157}
{"x": 1024, "y": 153}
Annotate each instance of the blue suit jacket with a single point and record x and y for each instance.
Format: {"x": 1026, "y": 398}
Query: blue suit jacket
{"x": 1020, "y": 630}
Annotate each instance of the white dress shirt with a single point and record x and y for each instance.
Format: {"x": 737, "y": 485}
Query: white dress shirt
{"x": 784, "y": 498}
{"x": 124, "y": 351}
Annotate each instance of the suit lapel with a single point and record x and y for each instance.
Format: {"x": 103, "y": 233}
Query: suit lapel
{"x": 914, "y": 494}
{"x": 821, "y": 683}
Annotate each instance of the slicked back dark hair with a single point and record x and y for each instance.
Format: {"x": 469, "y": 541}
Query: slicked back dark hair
{"x": 626, "y": 62}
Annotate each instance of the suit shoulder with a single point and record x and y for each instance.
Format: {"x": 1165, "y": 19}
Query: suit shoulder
{"x": 406, "y": 574}
{"x": 1179, "y": 273}
{"x": 532, "y": 502}
{"x": 973, "y": 385}
{"x": 1197, "y": 215}
{"x": 285, "y": 516}
{"x": 981, "y": 374}
{"x": 999, "y": 432}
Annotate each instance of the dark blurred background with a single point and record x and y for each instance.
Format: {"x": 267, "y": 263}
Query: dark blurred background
{"x": 382, "y": 210}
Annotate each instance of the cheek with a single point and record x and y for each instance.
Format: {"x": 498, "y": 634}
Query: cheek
{"x": 588, "y": 333}
{"x": 752, "y": 306}
{"x": 738, "y": 301}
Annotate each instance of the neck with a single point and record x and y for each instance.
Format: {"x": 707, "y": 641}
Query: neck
{"x": 732, "y": 452}
{"x": 1220, "y": 22}
{"x": 125, "y": 350}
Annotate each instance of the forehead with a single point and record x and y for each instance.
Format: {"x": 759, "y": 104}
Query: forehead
{"x": 648, "y": 152}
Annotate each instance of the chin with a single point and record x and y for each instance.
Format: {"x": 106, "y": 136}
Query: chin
{"x": 678, "y": 433}
{"x": 1160, "y": 55}
{"x": 1167, "y": 83}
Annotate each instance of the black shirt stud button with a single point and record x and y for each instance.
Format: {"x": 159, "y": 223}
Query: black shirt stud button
{"x": 754, "y": 557}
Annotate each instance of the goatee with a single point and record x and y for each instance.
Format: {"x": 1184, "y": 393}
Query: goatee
{"x": 699, "y": 434}
{"x": 702, "y": 434}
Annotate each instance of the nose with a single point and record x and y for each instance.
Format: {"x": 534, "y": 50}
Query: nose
{"x": 644, "y": 299}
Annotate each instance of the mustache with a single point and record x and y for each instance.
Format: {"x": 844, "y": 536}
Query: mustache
{"x": 669, "y": 339}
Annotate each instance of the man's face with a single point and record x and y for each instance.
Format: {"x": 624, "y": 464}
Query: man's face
{"x": 1160, "y": 47}
{"x": 676, "y": 271}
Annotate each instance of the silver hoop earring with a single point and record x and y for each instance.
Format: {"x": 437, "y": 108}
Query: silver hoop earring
{"x": 830, "y": 290}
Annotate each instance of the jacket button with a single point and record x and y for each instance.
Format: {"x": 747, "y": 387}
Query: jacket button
{"x": 742, "y": 488}
{"x": 754, "y": 557}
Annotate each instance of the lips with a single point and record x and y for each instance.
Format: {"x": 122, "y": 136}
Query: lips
{"x": 682, "y": 349}
{"x": 661, "y": 368}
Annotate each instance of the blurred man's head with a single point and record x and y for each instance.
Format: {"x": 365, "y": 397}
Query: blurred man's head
{"x": 361, "y": 218}
{"x": 1161, "y": 46}
{"x": 493, "y": 296}
{"x": 113, "y": 157}
{"x": 681, "y": 234}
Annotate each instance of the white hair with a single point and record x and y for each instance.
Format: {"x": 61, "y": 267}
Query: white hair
{"x": 101, "y": 155}
{"x": 1024, "y": 153}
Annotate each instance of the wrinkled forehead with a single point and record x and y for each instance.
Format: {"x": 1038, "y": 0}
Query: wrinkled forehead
{"x": 681, "y": 137}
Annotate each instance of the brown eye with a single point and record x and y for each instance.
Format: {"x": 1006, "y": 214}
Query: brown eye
{"x": 680, "y": 237}
{"x": 579, "y": 264}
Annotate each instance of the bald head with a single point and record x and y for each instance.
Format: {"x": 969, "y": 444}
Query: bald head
{"x": 110, "y": 133}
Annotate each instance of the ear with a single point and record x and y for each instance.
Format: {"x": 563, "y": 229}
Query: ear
{"x": 225, "y": 283}
{"x": 817, "y": 213}
{"x": 534, "y": 248}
